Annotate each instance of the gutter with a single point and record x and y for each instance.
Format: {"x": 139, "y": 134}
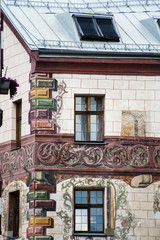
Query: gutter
{"x": 96, "y": 54}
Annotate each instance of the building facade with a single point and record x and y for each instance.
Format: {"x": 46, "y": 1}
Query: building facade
{"x": 80, "y": 141}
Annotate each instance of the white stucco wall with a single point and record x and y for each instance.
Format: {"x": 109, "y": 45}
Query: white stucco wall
{"x": 122, "y": 93}
{"x": 17, "y": 64}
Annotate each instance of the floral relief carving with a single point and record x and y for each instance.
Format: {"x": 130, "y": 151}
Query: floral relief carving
{"x": 115, "y": 155}
{"x": 18, "y": 159}
{"x": 112, "y": 155}
{"x": 139, "y": 156}
{"x": 92, "y": 156}
{"x": 48, "y": 154}
{"x": 156, "y": 157}
{"x": 69, "y": 155}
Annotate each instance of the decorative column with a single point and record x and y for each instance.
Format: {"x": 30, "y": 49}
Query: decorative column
{"x": 41, "y": 184}
{"x": 42, "y": 103}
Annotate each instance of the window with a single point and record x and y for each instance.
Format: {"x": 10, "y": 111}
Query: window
{"x": 89, "y": 211}
{"x": 96, "y": 28}
{"x": 18, "y": 105}
{"x": 13, "y": 218}
{"x": 89, "y": 111}
{"x": 1, "y": 117}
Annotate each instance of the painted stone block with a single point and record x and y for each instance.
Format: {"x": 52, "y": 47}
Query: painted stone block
{"x": 41, "y": 221}
{"x": 44, "y": 103}
{"x": 40, "y": 93}
{"x": 49, "y": 205}
{"x": 50, "y": 83}
{"x": 41, "y": 238}
{"x": 36, "y": 212}
{"x": 42, "y": 124}
{"x": 37, "y": 186}
{"x": 43, "y": 178}
{"x": 37, "y": 195}
{"x": 40, "y": 75}
{"x": 133, "y": 123}
{"x": 36, "y": 230}
{"x": 40, "y": 113}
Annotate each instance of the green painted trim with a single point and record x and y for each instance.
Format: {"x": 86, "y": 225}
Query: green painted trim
{"x": 44, "y": 103}
{"x": 41, "y": 238}
{"x": 35, "y": 195}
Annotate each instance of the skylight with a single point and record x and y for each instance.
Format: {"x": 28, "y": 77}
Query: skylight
{"x": 99, "y": 28}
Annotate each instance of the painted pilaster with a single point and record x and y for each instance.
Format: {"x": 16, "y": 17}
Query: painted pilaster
{"x": 40, "y": 185}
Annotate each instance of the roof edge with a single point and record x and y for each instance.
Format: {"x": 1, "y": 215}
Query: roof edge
{"x": 15, "y": 32}
{"x": 95, "y": 54}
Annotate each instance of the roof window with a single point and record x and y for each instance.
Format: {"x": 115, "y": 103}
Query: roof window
{"x": 99, "y": 28}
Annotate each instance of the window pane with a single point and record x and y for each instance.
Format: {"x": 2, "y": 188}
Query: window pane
{"x": 96, "y": 104}
{"x": 81, "y": 220}
{"x": 96, "y": 219}
{"x": 96, "y": 197}
{"x": 81, "y": 128}
{"x": 107, "y": 28}
{"x": 87, "y": 27}
{"x": 81, "y": 104}
{"x": 81, "y": 197}
{"x": 96, "y": 128}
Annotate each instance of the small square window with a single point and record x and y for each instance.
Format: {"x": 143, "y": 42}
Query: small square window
{"x": 99, "y": 28}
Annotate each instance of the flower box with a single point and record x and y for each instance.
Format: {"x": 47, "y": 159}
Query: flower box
{"x": 8, "y": 84}
{"x": 4, "y": 86}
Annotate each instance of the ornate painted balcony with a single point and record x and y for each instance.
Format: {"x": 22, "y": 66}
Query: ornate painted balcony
{"x": 127, "y": 156}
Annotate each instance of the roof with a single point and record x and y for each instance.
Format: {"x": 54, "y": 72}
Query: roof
{"x": 48, "y": 25}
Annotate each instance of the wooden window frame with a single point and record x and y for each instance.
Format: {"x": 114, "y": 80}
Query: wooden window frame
{"x": 88, "y": 206}
{"x": 18, "y": 105}
{"x": 89, "y": 113}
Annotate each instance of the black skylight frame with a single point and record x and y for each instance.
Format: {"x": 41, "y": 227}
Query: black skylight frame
{"x": 96, "y": 27}
{"x": 158, "y": 21}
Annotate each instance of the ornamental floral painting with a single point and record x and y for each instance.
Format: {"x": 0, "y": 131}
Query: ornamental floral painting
{"x": 120, "y": 222}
